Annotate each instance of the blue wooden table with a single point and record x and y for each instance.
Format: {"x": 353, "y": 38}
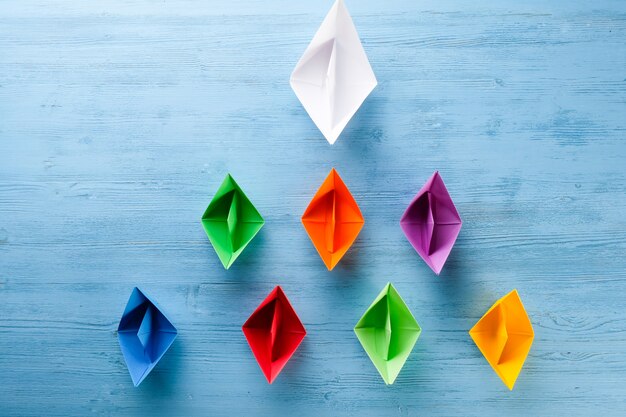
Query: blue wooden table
{"x": 120, "y": 118}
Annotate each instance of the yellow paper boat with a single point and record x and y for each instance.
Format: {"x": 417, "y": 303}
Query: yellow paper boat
{"x": 504, "y": 336}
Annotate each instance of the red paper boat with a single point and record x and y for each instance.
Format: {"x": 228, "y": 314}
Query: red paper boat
{"x": 274, "y": 332}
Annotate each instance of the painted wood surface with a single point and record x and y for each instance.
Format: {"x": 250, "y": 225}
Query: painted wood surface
{"x": 119, "y": 119}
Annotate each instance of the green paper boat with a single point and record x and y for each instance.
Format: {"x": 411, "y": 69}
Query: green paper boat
{"x": 230, "y": 221}
{"x": 388, "y": 331}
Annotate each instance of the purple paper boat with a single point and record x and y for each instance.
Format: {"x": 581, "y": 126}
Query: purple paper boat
{"x": 431, "y": 223}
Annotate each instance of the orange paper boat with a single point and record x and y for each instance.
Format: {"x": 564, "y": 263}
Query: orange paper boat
{"x": 504, "y": 336}
{"x": 332, "y": 220}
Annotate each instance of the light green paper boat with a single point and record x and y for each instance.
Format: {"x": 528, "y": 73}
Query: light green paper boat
{"x": 231, "y": 221}
{"x": 388, "y": 331}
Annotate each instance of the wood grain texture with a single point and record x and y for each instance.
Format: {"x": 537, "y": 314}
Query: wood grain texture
{"x": 119, "y": 120}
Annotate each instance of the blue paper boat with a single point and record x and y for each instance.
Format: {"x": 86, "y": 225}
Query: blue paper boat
{"x": 145, "y": 334}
